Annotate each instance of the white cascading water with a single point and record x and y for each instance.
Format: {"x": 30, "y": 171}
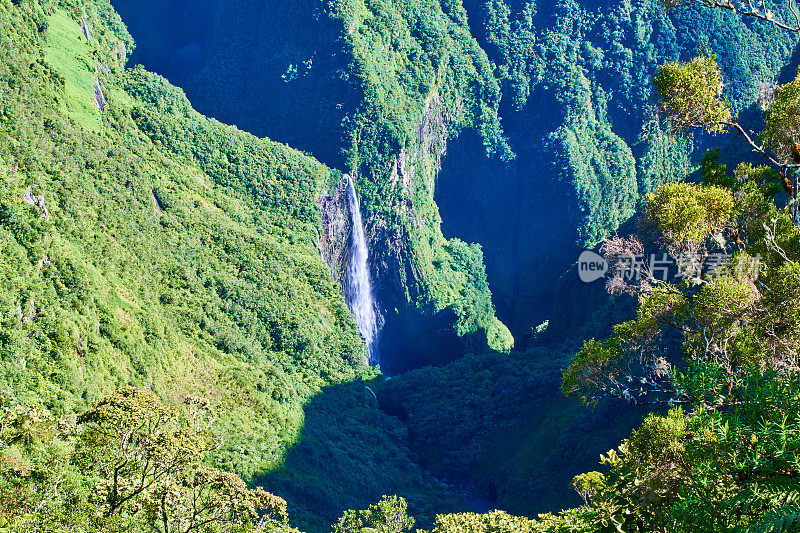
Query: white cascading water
{"x": 359, "y": 289}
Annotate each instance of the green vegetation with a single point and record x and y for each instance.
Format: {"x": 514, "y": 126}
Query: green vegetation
{"x": 131, "y": 464}
{"x": 71, "y": 55}
{"x": 498, "y": 423}
{"x": 699, "y": 107}
{"x": 577, "y": 109}
{"x": 387, "y": 516}
{"x": 151, "y": 246}
{"x": 593, "y": 64}
{"x": 726, "y": 455}
{"x": 170, "y": 337}
{"x": 729, "y": 459}
{"x": 147, "y": 269}
{"x": 391, "y": 83}
{"x": 569, "y": 82}
{"x": 422, "y": 78}
{"x": 718, "y": 347}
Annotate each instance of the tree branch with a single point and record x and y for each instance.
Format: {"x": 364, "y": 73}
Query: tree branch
{"x": 751, "y": 11}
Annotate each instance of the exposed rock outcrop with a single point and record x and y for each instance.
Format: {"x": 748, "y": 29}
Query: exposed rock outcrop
{"x": 85, "y": 28}
{"x": 36, "y": 201}
{"x": 122, "y": 55}
{"x": 396, "y": 261}
{"x": 336, "y": 228}
{"x": 99, "y": 98}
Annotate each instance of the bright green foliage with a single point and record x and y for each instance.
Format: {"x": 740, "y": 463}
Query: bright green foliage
{"x": 574, "y": 79}
{"x": 603, "y": 167}
{"x": 389, "y": 515}
{"x": 427, "y": 52}
{"x": 591, "y": 366}
{"x": 71, "y": 55}
{"x": 376, "y": 89}
{"x": 718, "y": 315}
{"x": 767, "y": 180}
{"x": 783, "y": 122}
{"x": 457, "y": 280}
{"x": 781, "y": 312}
{"x": 494, "y": 522}
{"x": 207, "y": 498}
{"x": 136, "y": 465}
{"x": 588, "y": 484}
{"x": 691, "y": 94}
{"x": 724, "y": 301}
{"x": 655, "y": 451}
{"x": 754, "y": 188}
{"x": 175, "y": 252}
{"x": 704, "y": 471}
{"x": 41, "y": 487}
{"x": 688, "y": 214}
{"x": 730, "y": 461}
{"x": 179, "y": 255}
{"x": 138, "y": 445}
{"x": 714, "y": 172}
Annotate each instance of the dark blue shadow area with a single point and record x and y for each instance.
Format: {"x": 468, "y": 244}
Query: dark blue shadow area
{"x": 524, "y": 218}
{"x": 351, "y": 453}
{"x": 499, "y": 424}
{"x": 275, "y": 69}
{"x": 171, "y": 35}
{"x": 411, "y": 339}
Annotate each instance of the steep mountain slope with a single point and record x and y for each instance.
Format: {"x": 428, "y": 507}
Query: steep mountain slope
{"x": 145, "y": 244}
{"x": 350, "y": 81}
{"x": 577, "y": 109}
{"x": 375, "y": 89}
{"x": 142, "y": 262}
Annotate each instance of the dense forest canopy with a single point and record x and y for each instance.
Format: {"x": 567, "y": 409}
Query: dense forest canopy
{"x": 176, "y": 352}
{"x": 565, "y": 97}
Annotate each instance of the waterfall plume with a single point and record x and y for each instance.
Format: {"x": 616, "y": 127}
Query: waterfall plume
{"x": 359, "y": 296}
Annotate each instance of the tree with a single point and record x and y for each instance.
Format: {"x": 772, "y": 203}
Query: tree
{"x": 136, "y": 444}
{"x": 202, "y": 496}
{"x": 691, "y": 95}
{"x": 721, "y": 342}
{"x": 389, "y": 515}
{"x": 148, "y": 458}
{"x": 690, "y": 98}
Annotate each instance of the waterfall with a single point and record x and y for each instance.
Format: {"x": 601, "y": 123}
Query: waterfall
{"x": 359, "y": 289}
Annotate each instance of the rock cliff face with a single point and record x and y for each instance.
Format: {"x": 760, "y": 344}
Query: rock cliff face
{"x": 425, "y": 322}
{"x": 336, "y": 229}
{"x": 398, "y": 263}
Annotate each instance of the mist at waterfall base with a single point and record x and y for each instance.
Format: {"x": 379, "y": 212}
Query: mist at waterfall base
{"x": 359, "y": 296}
